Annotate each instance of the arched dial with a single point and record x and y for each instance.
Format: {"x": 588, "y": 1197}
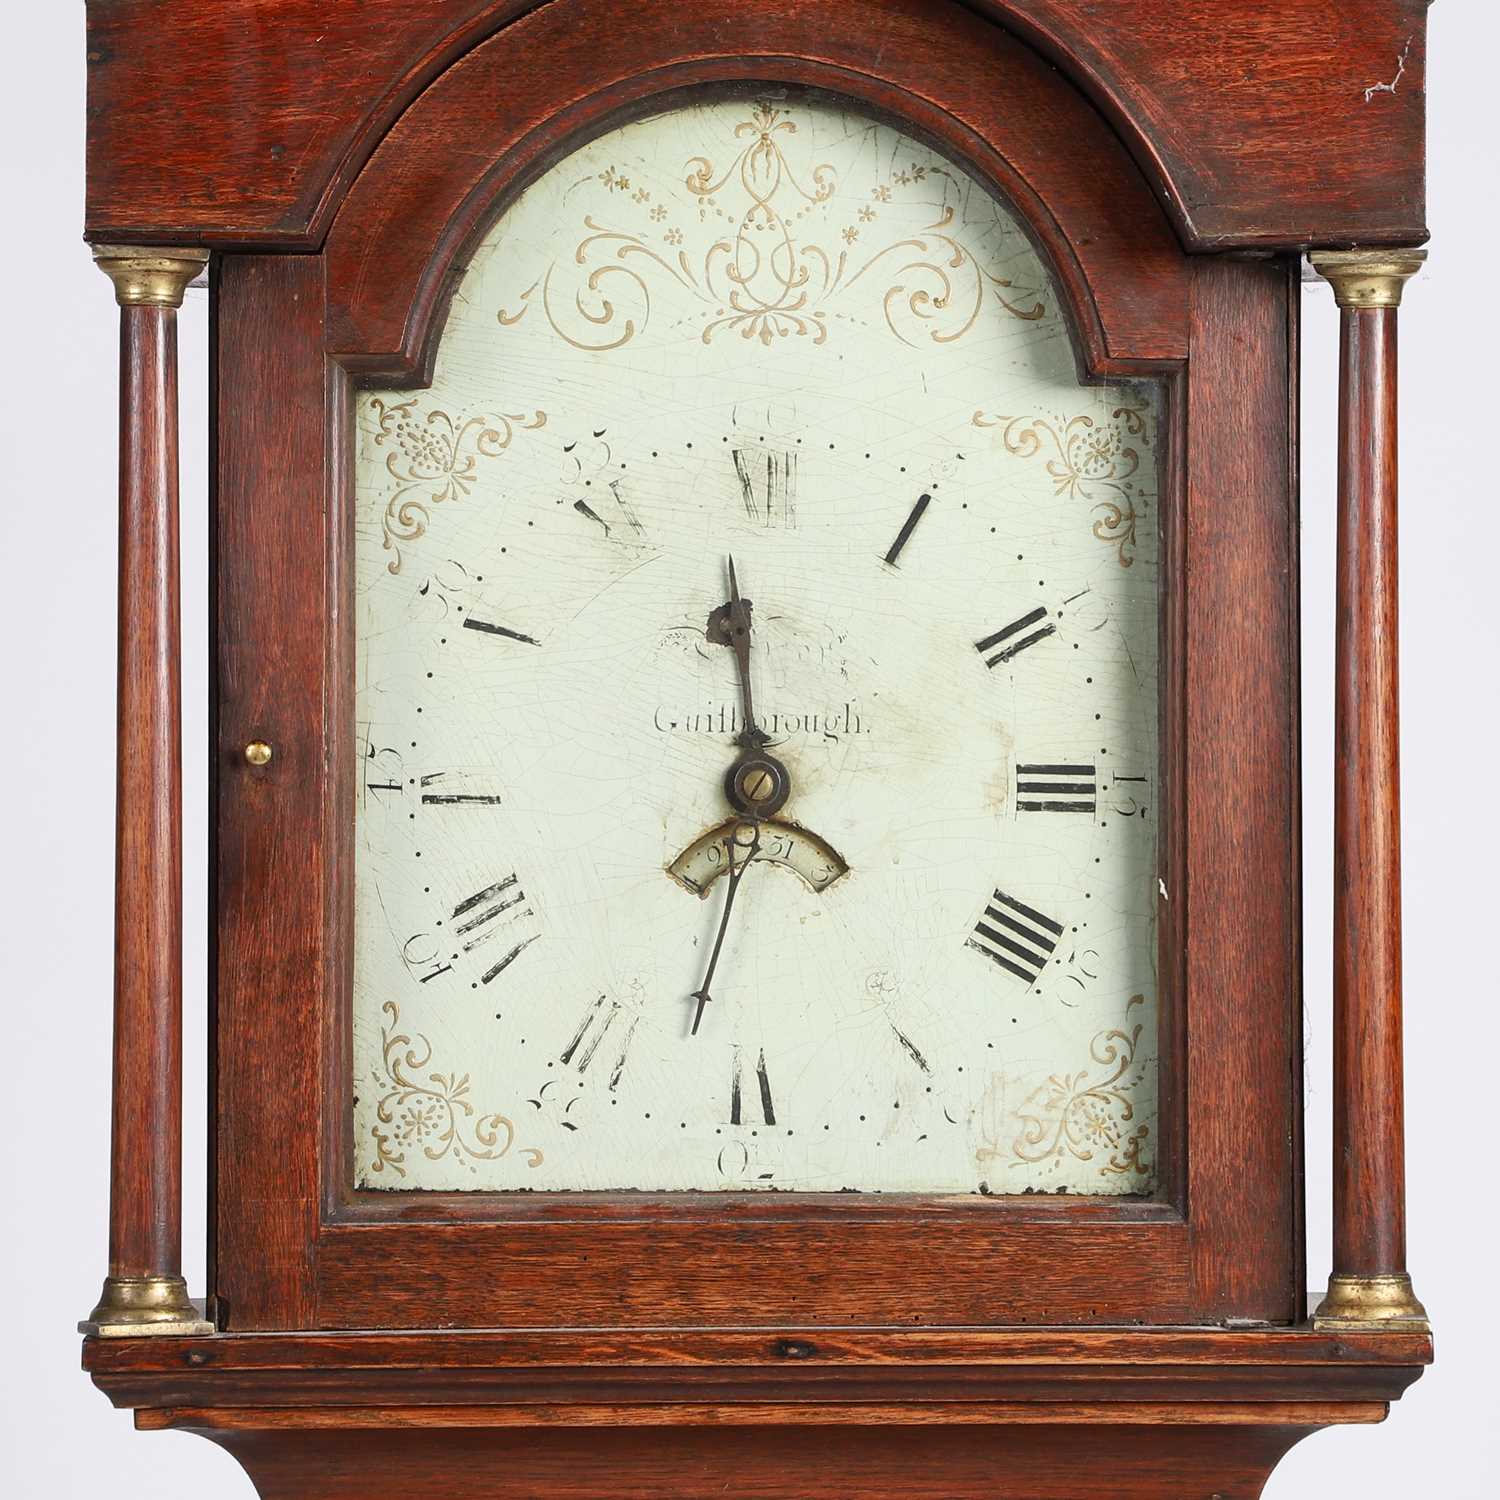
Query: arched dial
{"x": 914, "y": 729}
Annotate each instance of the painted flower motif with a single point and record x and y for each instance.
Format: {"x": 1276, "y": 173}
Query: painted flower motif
{"x": 881, "y": 193}
{"x": 642, "y": 195}
{"x": 431, "y": 1111}
{"x": 612, "y": 179}
{"x": 419, "y": 1121}
{"x": 850, "y": 234}
{"x": 1099, "y": 453}
{"x": 1090, "y": 460}
{"x": 866, "y": 214}
{"x": 434, "y": 459}
{"x": 1083, "y": 1116}
{"x": 674, "y": 236}
{"x": 1095, "y": 1124}
{"x": 659, "y": 213}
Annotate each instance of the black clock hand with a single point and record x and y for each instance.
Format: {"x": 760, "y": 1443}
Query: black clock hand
{"x": 757, "y": 784}
{"x": 702, "y": 995}
{"x": 730, "y": 625}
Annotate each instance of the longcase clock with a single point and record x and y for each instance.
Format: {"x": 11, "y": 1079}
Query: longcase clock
{"x": 756, "y": 874}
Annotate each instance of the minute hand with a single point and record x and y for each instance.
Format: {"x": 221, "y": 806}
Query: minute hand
{"x": 736, "y": 874}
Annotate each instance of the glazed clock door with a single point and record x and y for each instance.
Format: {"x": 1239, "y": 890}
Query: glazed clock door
{"x": 771, "y": 716}
{"x": 769, "y": 345}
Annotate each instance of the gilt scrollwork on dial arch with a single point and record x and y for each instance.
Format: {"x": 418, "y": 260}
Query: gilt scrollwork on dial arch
{"x": 768, "y": 242}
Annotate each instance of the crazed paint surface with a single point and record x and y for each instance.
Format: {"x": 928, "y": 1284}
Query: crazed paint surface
{"x": 783, "y": 331}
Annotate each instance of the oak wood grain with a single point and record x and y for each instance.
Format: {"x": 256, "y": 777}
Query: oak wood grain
{"x": 1131, "y": 1348}
{"x": 1242, "y": 899}
{"x": 873, "y": 1460}
{"x": 145, "y": 1203}
{"x": 1259, "y": 122}
{"x": 272, "y": 841}
{"x": 1154, "y": 1414}
{"x": 1369, "y": 1179}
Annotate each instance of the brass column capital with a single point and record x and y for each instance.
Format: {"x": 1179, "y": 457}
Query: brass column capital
{"x": 1367, "y": 278}
{"x": 145, "y": 276}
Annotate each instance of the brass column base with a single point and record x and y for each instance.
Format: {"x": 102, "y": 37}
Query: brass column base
{"x": 1371, "y": 1303}
{"x": 142, "y": 1306}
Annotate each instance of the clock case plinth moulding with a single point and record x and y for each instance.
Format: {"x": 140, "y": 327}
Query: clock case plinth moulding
{"x": 294, "y": 157}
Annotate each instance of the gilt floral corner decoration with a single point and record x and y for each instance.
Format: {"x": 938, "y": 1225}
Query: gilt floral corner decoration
{"x": 434, "y": 458}
{"x": 430, "y": 1111}
{"x": 1088, "y": 459}
{"x": 1090, "y": 1115}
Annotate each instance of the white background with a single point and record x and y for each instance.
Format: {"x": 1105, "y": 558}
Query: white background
{"x": 57, "y": 550}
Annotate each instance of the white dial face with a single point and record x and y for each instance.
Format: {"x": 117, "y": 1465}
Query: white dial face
{"x": 781, "y": 332}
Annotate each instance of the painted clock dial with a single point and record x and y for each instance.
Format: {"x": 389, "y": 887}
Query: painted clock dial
{"x": 776, "y": 331}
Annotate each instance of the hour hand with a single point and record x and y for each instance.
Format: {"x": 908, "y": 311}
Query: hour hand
{"x": 730, "y": 625}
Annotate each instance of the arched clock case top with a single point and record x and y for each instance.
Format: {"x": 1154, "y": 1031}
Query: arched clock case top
{"x": 1242, "y": 144}
{"x": 988, "y": 100}
{"x": 1220, "y": 1237}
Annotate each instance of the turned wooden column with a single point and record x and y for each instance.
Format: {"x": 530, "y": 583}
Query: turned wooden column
{"x": 1369, "y": 1286}
{"x": 144, "y": 1292}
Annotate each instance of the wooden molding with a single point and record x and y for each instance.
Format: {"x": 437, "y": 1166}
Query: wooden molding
{"x": 682, "y": 1414}
{"x": 209, "y": 125}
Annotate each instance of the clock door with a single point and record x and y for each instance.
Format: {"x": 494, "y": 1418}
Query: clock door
{"x": 786, "y": 796}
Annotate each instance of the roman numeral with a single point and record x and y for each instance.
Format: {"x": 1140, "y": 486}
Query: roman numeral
{"x": 1014, "y": 638}
{"x": 596, "y": 1025}
{"x": 490, "y": 628}
{"x": 768, "y": 485}
{"x": 908, "y": 526}
{"x": 1056, "y": 788}
{"x": 506, "y": 959}
{"x": 626, "y": 527}
{"x": 482, "y": 917}
{"x": 1015, "y": 936}
{"x": 740, "y": 1104}
{"x": 910, "y": 1048}
{"x": 454, "y": 789}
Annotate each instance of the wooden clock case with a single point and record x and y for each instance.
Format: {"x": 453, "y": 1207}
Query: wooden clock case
{"x": 1171, "y": 160}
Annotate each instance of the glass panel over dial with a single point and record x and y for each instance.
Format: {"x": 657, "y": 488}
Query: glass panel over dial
{"x": 757, "y": 693}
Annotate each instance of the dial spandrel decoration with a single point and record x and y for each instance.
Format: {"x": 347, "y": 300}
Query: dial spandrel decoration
{"x": 757, "y": 693}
